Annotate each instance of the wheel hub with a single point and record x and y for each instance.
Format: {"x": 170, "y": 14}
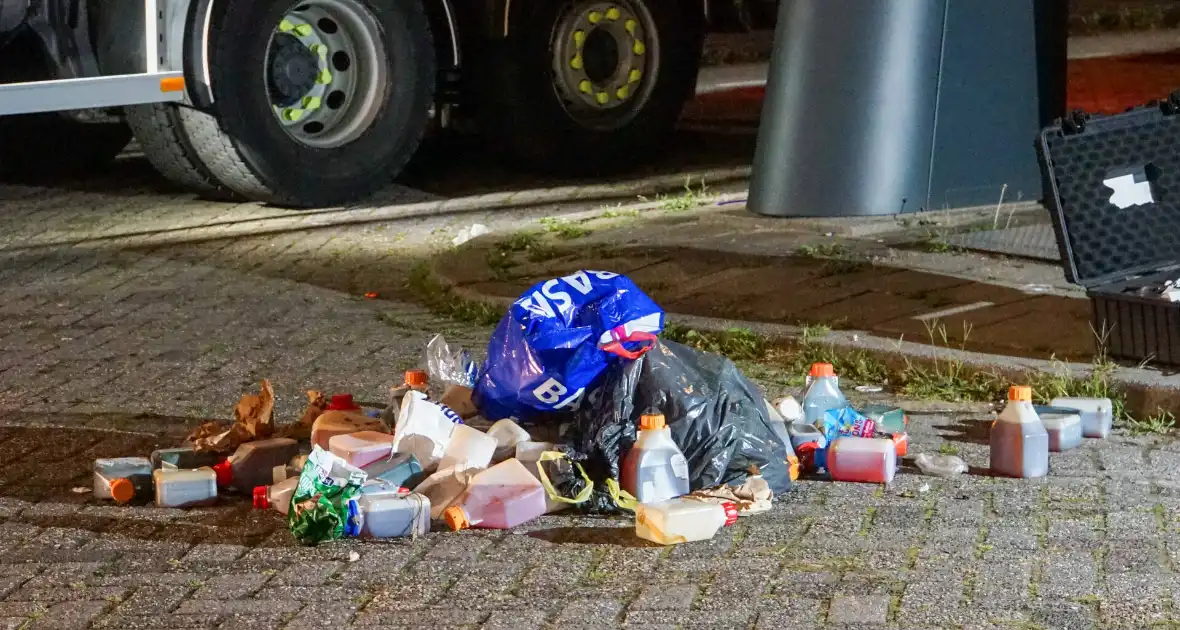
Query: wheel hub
{"x": 326, "y": 71}
{"x": 605, "y": 59}
{"x": 293, "y": 70}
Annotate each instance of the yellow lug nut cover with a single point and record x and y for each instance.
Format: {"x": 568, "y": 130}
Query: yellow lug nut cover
{"x": 602, "y": 98}
{"x": 311, "y": 102}
{"x": 292, "y": 114}
{"x": 635, "y": 76}
{"x": 579, "y": 37}
{"x": 576, "y": 63}
{"x": 286, "y": 26}
{"x": 613, "y": 13}
{"x": 595, "y": 17}
{"x": 319, "y": 49}
{"x": 324, "y": 78}
{"x": 638, "y": 47}
{"x": 630, "y": 26}
{"x": 623, "y": 93}
{"x": 303, "y": 30}
{"x": 585, "y": 86}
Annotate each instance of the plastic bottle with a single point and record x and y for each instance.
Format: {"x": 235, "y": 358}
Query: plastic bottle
{"x": 385, "y": 515}
{"x": 1019, "y": 442}
{"x": 412, "y": 380}
{"x": 500, "y": 497}
{"x": 940, "y": 465}
{"x": 361, "y": 448}
{"x": 184, "y": 457}
{"x": 183, "y": 488}
{"x": 341, "y": 417}
{"x": 399, "y": 469}
{"x": 528, "y": 454}
{"x": 1064, "y": 427}
{"x": 801, "y": 433}
{"x": 253, "y": 463}
{"x": 682, "y": 520}
{"x": 1097, "y": 414}
{"x": 865, "y": 460}
{"x": 468, "y": 448}
{"x": 507, "y": 435}
{"x": 276, "y": 497}
{"x": 655, "y": 469}
{"x": 444, "y": 487}
{"x": 822, "y": 394}
{"x": 122, "y": 479}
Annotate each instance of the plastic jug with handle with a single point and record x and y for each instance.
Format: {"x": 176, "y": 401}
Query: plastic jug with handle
{"x": 123, "y": 479}
{"x": 682, "y": 520}
{"x": 412, "y": 380}
{"x": 1019, "y": 442}
{"x": 253, "y": 464}
{"x": 823, "y": 393}
{"x": 184, "y": 488}
{"x": 277, "y": 496}
{"x": 468, "y": 448}
{"x": 386, "y": 515}
{"x": 361, "y": 448}
{"x": 1097, "y": 414}
{"x": 655, "y": 469}
{"x": 501, "y": 497}
{"x": 1064, "y": 427}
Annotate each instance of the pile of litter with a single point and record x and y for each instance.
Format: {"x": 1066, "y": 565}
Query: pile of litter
{"x": 677, "y": 438}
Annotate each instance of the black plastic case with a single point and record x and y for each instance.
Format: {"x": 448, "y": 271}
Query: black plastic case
{"x": 1120, "y": 254}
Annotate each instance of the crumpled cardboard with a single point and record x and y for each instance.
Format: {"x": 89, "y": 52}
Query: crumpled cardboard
{"x": 316, "y": 404}
{"x": 752, "y": 497}
{"x": 253, "y": 421}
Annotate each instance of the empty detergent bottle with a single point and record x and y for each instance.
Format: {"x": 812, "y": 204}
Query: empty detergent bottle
{"x": 1064, "y": 427}
{"x": 341, "y": 417}
{"x": 682, "y": 520}
{"x": 401, "y": 469}
{"x": 184, "y": 488}
{"x": 823, "y": 394}
{"x": 501, "y": 497}
{"x": 253, "y": 464}
{"x": 361, "y": 448}
{"x": 655, "y": 469}
{"x": 122, "y": 479}
{"x": 412, "y": 380}
{"x": 1097, "y": 414}
{"x": 865, "y": 460}
{"x": 392, "y": 515}
{"x": 468, "y": 448}
{"x": 1019, "y": 442}
{"x": 277, "y": 496}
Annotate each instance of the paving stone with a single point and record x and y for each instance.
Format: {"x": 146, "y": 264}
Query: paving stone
{"x": 848, "y": 609}
{"x": 515, "y": 620}
{"x": 69, "y": 615}
{"x": 224, "y": 587}
{"x": 666, "y": 598}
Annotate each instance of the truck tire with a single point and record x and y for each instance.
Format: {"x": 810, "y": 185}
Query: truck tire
{"x": 46, "y": 145}
{"x": 166, "y": 135}
{"x": 590, "y": 86}
{"x": 334, "y": 111}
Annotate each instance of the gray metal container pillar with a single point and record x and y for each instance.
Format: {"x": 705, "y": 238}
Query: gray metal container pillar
{"x": 848, "y": 121}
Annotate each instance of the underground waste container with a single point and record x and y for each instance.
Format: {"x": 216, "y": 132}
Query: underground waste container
{"x": 881, "y": 107}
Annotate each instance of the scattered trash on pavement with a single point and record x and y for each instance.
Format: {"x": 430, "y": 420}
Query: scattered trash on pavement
{"x": 940, "y": 465}
{"x": 677, "y": 438}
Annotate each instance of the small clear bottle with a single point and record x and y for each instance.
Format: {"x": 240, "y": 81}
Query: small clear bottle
{"x": 276, "y": 497}
{"x": 654, "y": 469}
{"x": 122, "y": 479}
{"x": 823, "y": 394}
{"x": 682, "y": 520}
{"x": 185, "y": 488}
{"x": 501, "y": 497}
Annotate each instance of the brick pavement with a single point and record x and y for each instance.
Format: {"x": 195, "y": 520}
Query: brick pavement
{"x": 115, "y": 347}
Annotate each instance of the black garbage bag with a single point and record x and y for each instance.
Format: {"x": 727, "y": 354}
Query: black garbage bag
{"x": 717, "y": 416}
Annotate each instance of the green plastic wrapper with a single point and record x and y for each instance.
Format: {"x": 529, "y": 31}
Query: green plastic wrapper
{"x": 320, "y": 505}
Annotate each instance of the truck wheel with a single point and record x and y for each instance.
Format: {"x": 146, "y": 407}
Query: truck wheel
{"x": 333, "y": 108}
{"x": 166, "y": 134}
{"x": 591, "y": 85}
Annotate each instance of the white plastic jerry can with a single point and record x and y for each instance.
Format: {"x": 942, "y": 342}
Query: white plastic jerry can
{"x": 501, "y": 497}
{"x": 682, "y": 520}
{"x": 654, "y": 470}
{"x": 1097, "y": 414}
{"x": 1019, "y": 441}
{"x": 182, "y": 488}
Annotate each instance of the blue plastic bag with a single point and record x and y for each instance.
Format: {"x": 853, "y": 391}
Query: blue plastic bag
{"x": 558, "y": 338}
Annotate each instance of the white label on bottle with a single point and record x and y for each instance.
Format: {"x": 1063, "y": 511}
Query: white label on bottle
{"x": 680, "y": 466}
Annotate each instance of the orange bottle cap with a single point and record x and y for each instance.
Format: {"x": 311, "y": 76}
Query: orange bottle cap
{"x": 821, "y": 370}
{"x": 1021, "y": 393}
{"x": 651, "y": 421}
{"x": 456, "y": 518}
{"x": 122, "y": 490}
{"x": 415, "y": 378}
